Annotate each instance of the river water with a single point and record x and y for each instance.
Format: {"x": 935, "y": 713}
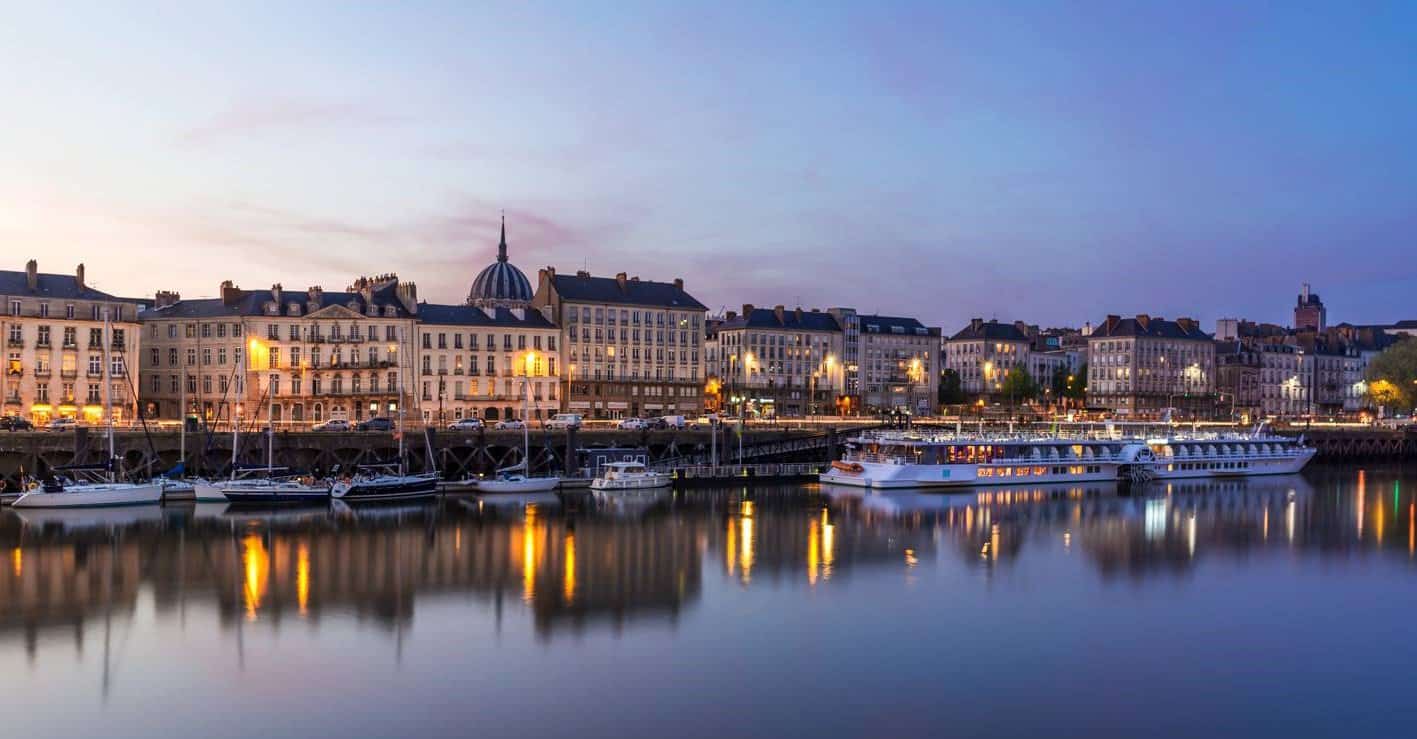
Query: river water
{"x": 1266, "y": 607}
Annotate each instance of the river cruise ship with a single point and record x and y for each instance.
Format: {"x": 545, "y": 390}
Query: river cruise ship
{"x": 912, "y": 460}
{"x": 921, "y": 460}
{"x": 1227, "y": 454}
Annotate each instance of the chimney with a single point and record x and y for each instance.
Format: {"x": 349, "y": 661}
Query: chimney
{"x": 408, "y": 295}
{"x": 636, "y": 278}
{"x": 582, "y": 273}
{"x": 1087, "y": 328}
{"x": 780, "y": 312}
{"x": 79, "y": 278}
{"x": 678, "y": 283}
{"x": 32, "y": 274}
{"x": 275, "y": 294}
{"x": 230, "y": 293}
{"x": 1111, "y": 323}
{"x": 747, "y": 311}
{"x": 976, "y": 323}
{"x": 730, "y": 315}
{"x": 1186, "y": 324}
{"x": 1143, "y": 320}
{"x": 799, "y": 314}
{"x": 165, "y": 298}
{"x": 621, "y": 279}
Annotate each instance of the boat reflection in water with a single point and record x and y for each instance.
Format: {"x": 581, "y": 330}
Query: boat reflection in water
{"x": 578, "y": 565}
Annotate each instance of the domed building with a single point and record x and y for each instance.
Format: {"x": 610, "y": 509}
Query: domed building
{"x": 500, "y": 285}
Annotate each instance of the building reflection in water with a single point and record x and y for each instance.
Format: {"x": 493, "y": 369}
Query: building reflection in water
{"x": 578, "y": 562}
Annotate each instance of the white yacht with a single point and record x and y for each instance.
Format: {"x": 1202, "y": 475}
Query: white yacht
{"x": 93, "y": 493}
{"x": 620, "y": 476}
{"x": 916, "y": 460}
{"x": 94, "y": 486}
{"x": 517, "y": 478}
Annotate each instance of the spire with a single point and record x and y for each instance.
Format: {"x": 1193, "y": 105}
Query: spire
{"x": 502, "y": 245}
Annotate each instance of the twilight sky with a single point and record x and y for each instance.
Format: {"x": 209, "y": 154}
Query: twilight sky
{"x": 1053, "y": 162}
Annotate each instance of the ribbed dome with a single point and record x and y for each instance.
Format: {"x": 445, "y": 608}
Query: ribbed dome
{"x": 501, "y": 284}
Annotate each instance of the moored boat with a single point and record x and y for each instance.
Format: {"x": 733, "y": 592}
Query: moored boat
{"x": 628, "y": 476}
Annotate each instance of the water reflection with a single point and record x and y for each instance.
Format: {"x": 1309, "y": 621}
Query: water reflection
{"x": 580, "y": 561}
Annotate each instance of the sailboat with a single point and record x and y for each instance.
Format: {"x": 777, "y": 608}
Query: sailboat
{"x": 242, "y": 487}
{"x": 515, "y": 478}
{"x": 388, "y": 482}
{"x": 94, "y": 486}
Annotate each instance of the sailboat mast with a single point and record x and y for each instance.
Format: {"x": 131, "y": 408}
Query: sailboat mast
{"x": 182, "y": 419}
{"x": 235, "y": 428}
{"x": 526, "y": 424}
{"x": 107, "y": 385}
{"x": 270, "y": 427}
{"x": 399, "y": 361}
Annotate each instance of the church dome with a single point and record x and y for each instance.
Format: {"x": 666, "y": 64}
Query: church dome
{"x": 501, "y": 284}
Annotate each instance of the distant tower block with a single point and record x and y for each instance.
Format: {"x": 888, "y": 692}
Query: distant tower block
{"x": 1309, "y": 312}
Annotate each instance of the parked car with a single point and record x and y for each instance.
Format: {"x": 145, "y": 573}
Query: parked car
{"x": 334, "y": 424}
{"x": 673, "y": 422}
{"x": 376, "y": 424}
{"x": 510, "y": 424}
{"x": 15, "y": 423}
{"x": 63, "y": 424}
{"x": 467, "y": 424}
{"x": 633, "y": 424}
{"x": 564, "y": 421}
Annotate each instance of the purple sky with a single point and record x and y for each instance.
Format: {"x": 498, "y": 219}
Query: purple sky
{"x": 1053, "y": 163}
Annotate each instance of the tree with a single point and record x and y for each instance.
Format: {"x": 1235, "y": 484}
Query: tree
{"x": 1059, "y": 383}
{"x": 1392, "y": 376}
{"x": 1019, "y": 385}
{"x": 951, "y": 389}
{"x": 1387, "y": 394}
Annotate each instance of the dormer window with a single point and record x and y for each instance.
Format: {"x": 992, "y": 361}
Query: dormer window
{"x": 373, "y": 310}
{"x": 272, "y": 309}
{"x": 389, "y": 311}
{"x": 293, "y": 308}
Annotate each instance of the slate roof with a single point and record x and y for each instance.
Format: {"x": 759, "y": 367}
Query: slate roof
{"x": 580, "y": 289}
{"x": 253, "y": 302}
{"x": 887, "y": 324}
{"x": 989, "y": 331}
{"x": 58, "y": 287}
{"x": 1154, "y": 327}
{"x": 466, "y": 315}
{"x": 766, "y": 318}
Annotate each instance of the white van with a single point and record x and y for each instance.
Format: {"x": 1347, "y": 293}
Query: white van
{"x": 673, "y": 422}
{"x": 564, "y": 421}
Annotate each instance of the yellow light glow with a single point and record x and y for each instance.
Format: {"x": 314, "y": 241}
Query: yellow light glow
{"x": 828, "y": 546}
{"x": 814, "y": 552}
{"x": 568, "y": 574}
{"x": 257, "y": 564}
{"x": 530, "y": 530}
{"x": 302, "y": 578}
{"x": 745, "y": 545}
{"x": 17, "y": 561}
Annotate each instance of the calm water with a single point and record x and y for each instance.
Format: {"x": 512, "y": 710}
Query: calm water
{"x": 1271, "y": 607}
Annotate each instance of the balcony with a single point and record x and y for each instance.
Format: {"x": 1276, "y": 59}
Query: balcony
{"x": 426, "y": 372}
{"x": 12, "y": 400}
{"x": 68, "y": 374}
{"x": 43, "y": 344}
{"x": 70, "y": 346}
{"x": 12, "y": 341}
{"x": 42, "y": 371}
{"x": 94, "y": 374}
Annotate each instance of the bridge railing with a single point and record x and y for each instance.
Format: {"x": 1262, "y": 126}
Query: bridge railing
{"x": 725, "y": 471}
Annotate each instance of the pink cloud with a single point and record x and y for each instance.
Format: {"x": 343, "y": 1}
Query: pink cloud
{"x": 254, "y": 116}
